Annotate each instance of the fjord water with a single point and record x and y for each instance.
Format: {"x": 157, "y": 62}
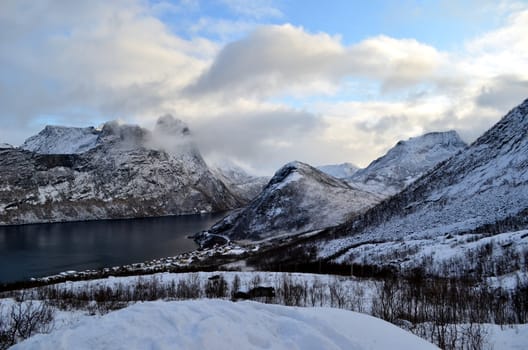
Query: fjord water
{"x": 44, "y": 249}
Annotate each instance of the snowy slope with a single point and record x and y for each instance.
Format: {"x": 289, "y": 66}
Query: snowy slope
{"x": 483, "y": 189}
{"x": 216, "y": 324}
{"x": 407, "y": 161}
{"x": 62, "y": 140}
{"x": 499, "y": 257}
{"x": 130, "y": 172}
{"x": 298, "y": 198}
{"x": 239, "y": 181}
{"x": 340, "y": 171}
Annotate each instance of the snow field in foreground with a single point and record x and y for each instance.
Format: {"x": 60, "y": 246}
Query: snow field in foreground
{"x": 219, "y": 324}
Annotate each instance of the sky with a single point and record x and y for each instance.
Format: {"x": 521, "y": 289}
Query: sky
{"x": 265, "y": 82}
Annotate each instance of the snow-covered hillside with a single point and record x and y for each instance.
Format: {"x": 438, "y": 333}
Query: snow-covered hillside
{"x": 407, "y": 161}
{"x": 239, "y": 181}
{"x": 483, "y": 189}
{"x": 217, "y": 324}
{"x": 340, "y": 171}
{"x": 123, "y": 171}
{"x": 500, "y": 257}
{"x": 301, "y": 198}
{"x": 298, "y": 198}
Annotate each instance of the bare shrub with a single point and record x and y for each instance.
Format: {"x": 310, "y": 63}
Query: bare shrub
{"x": 24, "y": 319}
{"x": 316, "y": 293}
{"x": 385, "y": 300}
{"x": 235, "y": 286}
{"x": 216, "y": 287}
{"x": 356, "y": 296}
{"x": 255, "y": 282}
{"x": 338, "y": 294}
{"x": 189, "y": 288}
{"x": 291, "y": 293}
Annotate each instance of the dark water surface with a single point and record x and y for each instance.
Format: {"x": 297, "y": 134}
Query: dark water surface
{"x": 45, "y": 249}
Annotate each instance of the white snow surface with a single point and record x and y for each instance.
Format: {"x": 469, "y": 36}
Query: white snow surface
{"x": 62, "y": 140}
{"x": 483, "y": 184}
{"x": 507, "y": 337}
{"x": 340, "y": 171}
{"x": 406, "y": 162}
{"x": 71, "y": 324}
{"x": 218, "y": 324}
{"x": 446, "y": 255}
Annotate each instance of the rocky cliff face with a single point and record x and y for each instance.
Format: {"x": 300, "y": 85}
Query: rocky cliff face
{"x": 119, "y": 171}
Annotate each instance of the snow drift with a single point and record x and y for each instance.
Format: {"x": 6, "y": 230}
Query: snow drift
{"x": 217, "y": 324}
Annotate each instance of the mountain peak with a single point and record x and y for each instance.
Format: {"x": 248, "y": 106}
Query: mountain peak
{"x": 484, "y": 188}
{"x": 55, "y": 139}
{"x": 298, "y": 198}
{"x": 296, "y": 170}
{"x": 286, "y": 170}
{"x": 407, "y": 161}
{"x": 124, "y": 135}
{"x": 435, "y": 138}
{"x": 167, "y": 124}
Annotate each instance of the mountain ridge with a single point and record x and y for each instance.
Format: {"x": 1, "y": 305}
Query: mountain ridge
{"x": 121, "y": 175}
{"x": 328, "y": 206}
{"x": 298, "y": 198}
{"x": 407, "y": 161}
{"x": 484, "y": 185}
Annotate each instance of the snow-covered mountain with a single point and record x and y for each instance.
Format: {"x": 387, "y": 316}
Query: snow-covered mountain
{"x": 5, "y": 145}
{"x": 483, "y": 189}
{"x": 297, "y": 199}
{"x": 302, "y": 198}
{"x": 407, "y": 161}
{"x": 119, "y": 171}
{"x": 62, "y": 140}
{"x": 340, "y": 171}
{"x": 239, "y": 181}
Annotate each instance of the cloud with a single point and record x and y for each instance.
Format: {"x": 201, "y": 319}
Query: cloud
{"x": 161, "y": 8}
{"x": 254, "y": 8}
{"x": 225, "y": 29}
{"x": 114, "y": 59}
{"x": 265, "y": 137}
{"x": 83, "y": 62}
{"x": 509, "y": 36}
{"x": 287, "y": 59}
{"x": 503, "y": 92}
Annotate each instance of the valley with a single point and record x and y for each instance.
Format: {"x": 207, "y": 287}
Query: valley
{"x": 432, "y": 214}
